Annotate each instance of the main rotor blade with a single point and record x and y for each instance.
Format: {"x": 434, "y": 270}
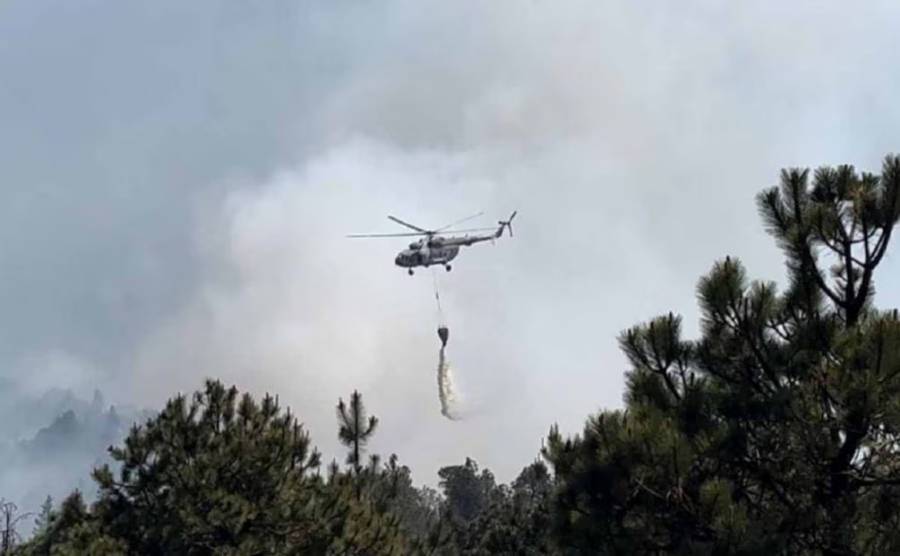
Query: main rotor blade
{"x": 388, "y": 235}
{"x": 458, "y": 222}
{"x": 407, "y": 224}
{"x": 469, "y": 230}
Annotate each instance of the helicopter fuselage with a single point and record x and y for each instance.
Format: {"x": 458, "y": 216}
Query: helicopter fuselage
{"x": 426, "y": 255}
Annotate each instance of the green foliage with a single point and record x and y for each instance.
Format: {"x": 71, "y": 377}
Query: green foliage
{"x": 480, "y": 517}
{"x": 354, "y": 428}
{"x": 355, "y": 525}
{"x": 44, "y": 519}
{"x": 518, "y": 519}
{"x": 392, "y": 490}
{"x": 467, "y": 492}
{"x": 220, "y": 471}
{"x": 71, "y": 530}
{"x": 221, "y": 474}
{"x": 777, "y": 430}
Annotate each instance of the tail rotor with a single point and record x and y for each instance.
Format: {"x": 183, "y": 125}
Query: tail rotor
{"x": 508, "y": 223}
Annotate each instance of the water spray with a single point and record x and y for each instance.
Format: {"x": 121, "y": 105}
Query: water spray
{"x": 446, "y": 391}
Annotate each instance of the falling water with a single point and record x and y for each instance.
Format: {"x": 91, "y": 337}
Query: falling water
{"x": 446, "y": 391}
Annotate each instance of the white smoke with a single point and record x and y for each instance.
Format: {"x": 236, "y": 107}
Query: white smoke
{"x": 623, "y": 132}
{"x": 447, "y": 388}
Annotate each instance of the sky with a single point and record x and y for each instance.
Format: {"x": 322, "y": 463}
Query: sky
{"x": 178, "y": 179}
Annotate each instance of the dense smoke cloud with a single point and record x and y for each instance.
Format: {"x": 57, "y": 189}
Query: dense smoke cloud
{"x": 178, "y": 180}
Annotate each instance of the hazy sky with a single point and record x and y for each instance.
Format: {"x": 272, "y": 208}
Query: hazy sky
{"x": 178, "y": 179}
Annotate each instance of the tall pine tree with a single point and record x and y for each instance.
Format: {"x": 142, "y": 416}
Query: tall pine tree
{"x": 355, "y": 429}
{"x": 777, "y": 431}
{"x": 44, "y": 518}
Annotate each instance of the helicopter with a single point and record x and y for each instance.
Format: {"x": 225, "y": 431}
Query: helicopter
{"x": 436, "y": 248}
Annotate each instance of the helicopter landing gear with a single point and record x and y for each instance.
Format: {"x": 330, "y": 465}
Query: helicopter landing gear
{"x": 410, "y": 271}
{"x": 448, "y": 267}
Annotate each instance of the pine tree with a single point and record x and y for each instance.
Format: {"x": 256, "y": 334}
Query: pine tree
{"x": 368, "y": 516}
{"x": 355, "y": 429}
{"x": 777, "y": 430}
{"x": 45, "y": 517}
{"x": 480, "y": 517}
{"x": 517, "y": 519}
{"x": 72, "y": 531}
{"x": 224, "y": 474}
{"x": 393, "y": 492}
{"x": 466, "y": 491}
{"x": 221, "y": 471}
